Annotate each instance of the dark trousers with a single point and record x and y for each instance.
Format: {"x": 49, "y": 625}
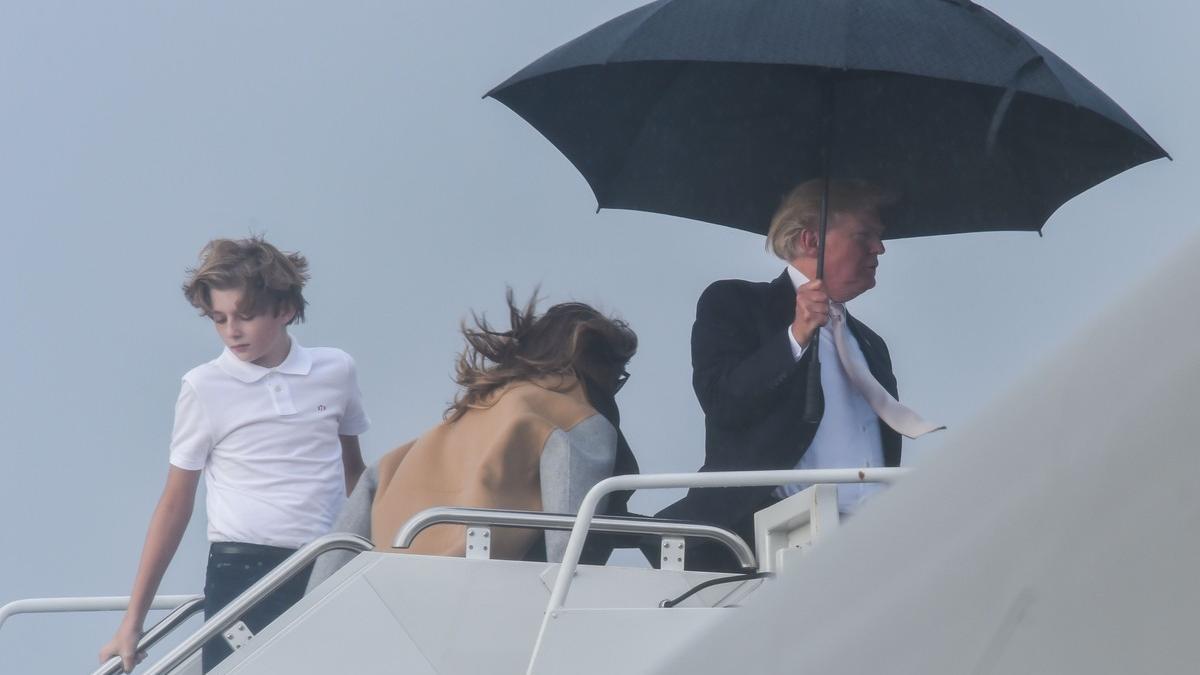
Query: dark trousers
{"x": 234, "y": 567}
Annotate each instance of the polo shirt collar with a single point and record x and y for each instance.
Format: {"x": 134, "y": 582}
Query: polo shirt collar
{"x": 298, "y": 362}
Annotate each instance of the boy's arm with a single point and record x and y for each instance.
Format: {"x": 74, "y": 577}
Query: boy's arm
{"x": 352, "y": 461}
{"x": 166, "y": 529}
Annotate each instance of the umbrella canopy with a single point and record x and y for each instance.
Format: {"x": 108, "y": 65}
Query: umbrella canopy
{"x": 714, "y": 109}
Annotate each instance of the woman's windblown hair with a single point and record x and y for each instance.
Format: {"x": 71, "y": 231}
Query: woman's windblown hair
{"x": 569, "y": 339}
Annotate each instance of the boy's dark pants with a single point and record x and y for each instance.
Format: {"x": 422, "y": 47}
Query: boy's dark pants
{"x": 234, "y": 567}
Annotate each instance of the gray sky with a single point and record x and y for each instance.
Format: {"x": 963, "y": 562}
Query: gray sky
{"x": 131, "y": 133}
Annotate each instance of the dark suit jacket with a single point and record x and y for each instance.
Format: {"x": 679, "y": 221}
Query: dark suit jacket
{"x": 752, "y": 391}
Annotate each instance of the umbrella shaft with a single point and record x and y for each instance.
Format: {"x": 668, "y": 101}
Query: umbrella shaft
{"x": 812, "y": 409}
{"x": 824, "y": 225}
{"x": 827, "y": 93}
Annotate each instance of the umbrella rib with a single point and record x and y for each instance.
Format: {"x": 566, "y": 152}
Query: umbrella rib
{"x": 1006, "y": 100}
{"x": 640, "y": 24}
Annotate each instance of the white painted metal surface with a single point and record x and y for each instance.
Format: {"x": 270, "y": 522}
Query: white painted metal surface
{"x": 342, "y": 627}
{"x": 794, "y": 525}
{"x": 672, "y": 553}
{"x": 479, "y": 542}
{"x": 238, "y": 635}
{"x": 414, "y": 614}
{"x": 619, "y": 641}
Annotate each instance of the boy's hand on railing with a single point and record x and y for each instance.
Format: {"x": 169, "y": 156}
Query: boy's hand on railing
{"x": 124, "y": 645}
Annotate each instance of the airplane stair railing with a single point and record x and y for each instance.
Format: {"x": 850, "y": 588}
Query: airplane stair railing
{"x": 157, "y": 632}
{"x": 183, "y": 607}
{"x": 229, "y": 615}
{"x": 101, "y": 603}
{"x": 480, "y": 522}
{"x": 711, "y": 479}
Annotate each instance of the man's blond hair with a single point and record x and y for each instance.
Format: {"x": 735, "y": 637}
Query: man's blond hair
{"x": 801, "y": 209}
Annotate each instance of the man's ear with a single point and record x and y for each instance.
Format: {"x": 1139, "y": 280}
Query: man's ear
{"x": 287, "y": 314}
{"x": 806, "y": 243}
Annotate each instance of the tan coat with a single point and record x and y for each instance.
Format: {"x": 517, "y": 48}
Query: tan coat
{"x": 489, "y": 458}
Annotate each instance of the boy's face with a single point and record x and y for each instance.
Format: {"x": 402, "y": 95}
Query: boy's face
{"x": 260, "y": 339}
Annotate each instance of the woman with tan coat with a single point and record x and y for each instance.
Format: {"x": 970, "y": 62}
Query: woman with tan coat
{"x": 533, "y": 428}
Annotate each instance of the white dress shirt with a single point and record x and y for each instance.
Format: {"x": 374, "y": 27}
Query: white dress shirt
{"x": 848, "y": 435}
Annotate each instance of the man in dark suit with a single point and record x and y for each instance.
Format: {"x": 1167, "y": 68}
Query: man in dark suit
{"x": 750, "y": 362}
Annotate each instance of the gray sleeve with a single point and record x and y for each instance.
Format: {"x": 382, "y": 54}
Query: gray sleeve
{"x": 572, "y": 462}
{"x": 354, "y": 518}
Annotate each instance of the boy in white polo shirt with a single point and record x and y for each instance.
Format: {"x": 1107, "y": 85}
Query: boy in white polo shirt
{"x": 272, "y": 425}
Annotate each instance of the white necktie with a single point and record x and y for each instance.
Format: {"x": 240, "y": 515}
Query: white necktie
{"x": 893, "y": 413}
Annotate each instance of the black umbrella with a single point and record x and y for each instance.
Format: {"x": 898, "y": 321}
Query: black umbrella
{"x": 714, "y": 109}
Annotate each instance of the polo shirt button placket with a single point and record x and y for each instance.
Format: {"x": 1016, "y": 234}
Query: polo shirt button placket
{"x": 281, "y": 395}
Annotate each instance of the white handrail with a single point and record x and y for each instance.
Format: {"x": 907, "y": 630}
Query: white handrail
{"x": 157, "y": 632}
{"x": 565, "y": 521}
{"x": 227, "y": 616}
{"x": 100, "y": 603}
{"x": 712, "y": 479}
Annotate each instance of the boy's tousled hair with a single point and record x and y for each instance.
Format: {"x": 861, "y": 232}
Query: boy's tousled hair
{"x": 270, "y": 280}
{"x": 568, "y": 339}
